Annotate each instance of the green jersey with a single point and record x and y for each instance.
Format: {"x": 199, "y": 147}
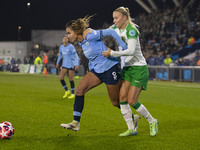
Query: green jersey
{"x": 137, "y": 58}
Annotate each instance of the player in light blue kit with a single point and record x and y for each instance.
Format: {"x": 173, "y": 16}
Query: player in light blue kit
{"x": 102, "y": 69}
{"x": 70, "y": 64}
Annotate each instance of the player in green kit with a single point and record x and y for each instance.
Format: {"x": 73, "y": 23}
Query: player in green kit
{"x": 134, "y": 74}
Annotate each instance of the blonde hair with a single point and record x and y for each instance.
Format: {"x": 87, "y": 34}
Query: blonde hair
{"x": 79, "y": 25}
{"x": 125, "y": 11}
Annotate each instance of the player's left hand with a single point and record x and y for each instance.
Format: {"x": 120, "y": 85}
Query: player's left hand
{"x": 107, "y": 53}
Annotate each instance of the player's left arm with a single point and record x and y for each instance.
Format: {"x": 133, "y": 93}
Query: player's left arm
{"x": 113, "y": 33}
{"x": 75, "y": 55}
{"x": 100, "y": 34}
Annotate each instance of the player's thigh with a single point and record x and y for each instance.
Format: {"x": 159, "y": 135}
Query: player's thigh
{"x": 123, "y": 95}
{"x": 63, "y": 72}
{"x": 71, "y": 75}
{"x": 113, "y": 92}
{"x": 133, "y": 94}
{"x": 88, "y": 82}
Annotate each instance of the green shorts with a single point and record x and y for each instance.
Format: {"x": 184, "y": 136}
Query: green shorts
{"x": 137, "y": 75}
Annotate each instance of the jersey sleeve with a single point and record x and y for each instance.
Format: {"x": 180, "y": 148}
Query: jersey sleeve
{"x": 100, "y": 34}
{"x": 94, "y": 35}
{"x": 132, "y": 32}
{"x": 60, "y": 56}
{"x": 128, "y": 52}
{"x": 75, "y": 55}
{"x": 76, "y": 60}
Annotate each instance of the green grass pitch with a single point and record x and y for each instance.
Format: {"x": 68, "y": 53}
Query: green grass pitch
{"x": 34, "y": 105}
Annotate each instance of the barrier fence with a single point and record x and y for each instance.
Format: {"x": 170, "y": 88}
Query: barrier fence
{"x": 171, "y": 73}
{"x": 175, "y": 73}
{"x": 31, "y": 68}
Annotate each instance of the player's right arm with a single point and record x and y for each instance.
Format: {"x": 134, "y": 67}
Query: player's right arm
{"x": 128, "y": 52}
{"x": 59, "y": 58}
{"x": 131, "y": 41}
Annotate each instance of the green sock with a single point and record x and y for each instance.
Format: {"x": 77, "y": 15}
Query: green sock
{"x": 136, "y": 105}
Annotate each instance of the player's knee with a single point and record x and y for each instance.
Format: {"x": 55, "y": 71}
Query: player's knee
{"x": 61, "y": 77}
{"x": 123, "y": 98}
{"x": 132, "y": 101}
{"x": 79, "y": 91}
{"x": 115, "y": 103}
{"x": 70, "y": 78}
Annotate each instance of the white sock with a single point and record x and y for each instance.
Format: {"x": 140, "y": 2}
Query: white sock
{"x": 145, "y": 113}
{"x": 127, "y": 114}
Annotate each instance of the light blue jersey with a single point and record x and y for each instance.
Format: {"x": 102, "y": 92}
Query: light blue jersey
{"x": 69, "y": 55}
{"x": 93, "y": 47}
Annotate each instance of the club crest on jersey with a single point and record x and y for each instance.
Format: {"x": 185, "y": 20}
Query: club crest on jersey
{"x": 87, "y": 43}
{"x": 132, "y": 33}
{"x": 124, "y": 38}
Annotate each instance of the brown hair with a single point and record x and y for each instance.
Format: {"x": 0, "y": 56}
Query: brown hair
{"x": 79, "y": 25}
{"x": 125, "y": 11}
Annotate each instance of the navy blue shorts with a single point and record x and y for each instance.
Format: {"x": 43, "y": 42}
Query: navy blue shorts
{"x": 68, "y": 68}
{"x": 110, "y": 77}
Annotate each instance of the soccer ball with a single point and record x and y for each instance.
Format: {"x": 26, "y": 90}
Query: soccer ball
{"x": 6, "y": 130}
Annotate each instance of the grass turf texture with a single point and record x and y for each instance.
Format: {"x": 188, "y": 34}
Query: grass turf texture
{"x": 34, "y": 105}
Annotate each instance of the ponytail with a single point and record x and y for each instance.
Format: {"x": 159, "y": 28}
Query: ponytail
{"x": 79, "y": 25}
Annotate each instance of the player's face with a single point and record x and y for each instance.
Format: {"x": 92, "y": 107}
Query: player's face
{"x": 65, "y": 40}
{"x": 119, "y": 19}
{"x": 71, "y": 34}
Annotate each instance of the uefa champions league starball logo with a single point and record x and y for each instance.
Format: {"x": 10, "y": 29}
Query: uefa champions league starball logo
{"x": 6, "y": 130}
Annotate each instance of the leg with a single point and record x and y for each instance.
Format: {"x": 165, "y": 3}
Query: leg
{"x": 126, "y": 111}
{"x": 133, "y": 96}
{"x": 56, "y": 72}
{"x": 88, "y": 82}
{"x": 71, "y": 76}
{"x": 63, "y": 72}
{"x": 62, "y": 75}
{"x": 113, "y": 92}
{"x": 45, "y": 70}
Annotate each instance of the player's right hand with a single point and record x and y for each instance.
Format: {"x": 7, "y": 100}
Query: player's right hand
{"x": 106, "y": 53}
{"x": 85, "y": 33}
{"x": 57, "y": 66}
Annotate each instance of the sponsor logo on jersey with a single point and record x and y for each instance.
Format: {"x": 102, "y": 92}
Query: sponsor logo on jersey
{"x": 132, "y": 33}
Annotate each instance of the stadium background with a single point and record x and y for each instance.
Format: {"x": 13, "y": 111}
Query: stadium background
{"x": 169, "y": 30}
{"x": 34, "y": 104}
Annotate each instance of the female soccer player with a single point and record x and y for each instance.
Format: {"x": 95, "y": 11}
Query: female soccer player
{"x": 45, "y": 61}
{"x": 135, "y": 73}
{"x": 69, "y": 64}
{"x": 102, "y": 69}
